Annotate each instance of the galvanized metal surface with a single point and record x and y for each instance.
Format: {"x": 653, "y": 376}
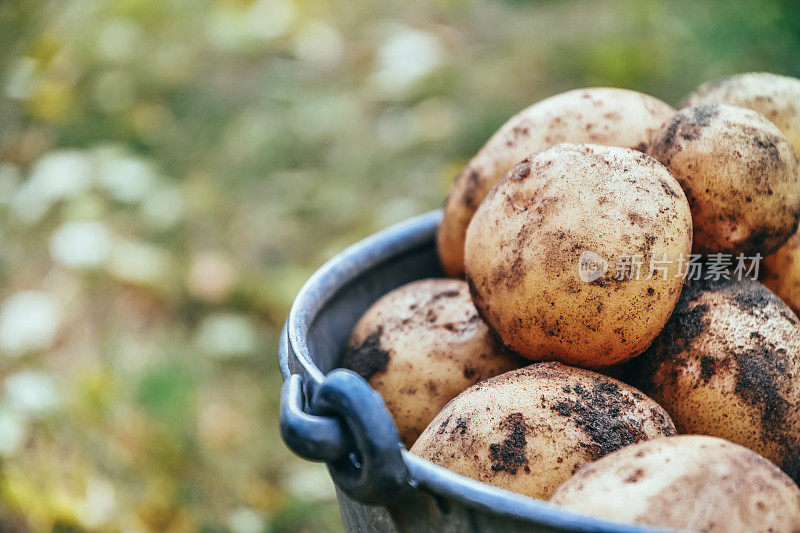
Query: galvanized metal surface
{"x": 407, "y": 493}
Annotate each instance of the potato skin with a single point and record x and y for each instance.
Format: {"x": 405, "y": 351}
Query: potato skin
{"x": 607, "y": 116}
{"x": 782, "y": 272}
{"x": 740, "y": 174}
{"x": 421, "y": 345}
{"x": 690, "y": 482}
{"x": 728, "y": 365}
{"x": 774, "y": 96}
{"x": 526, "y": 240}
{"x": 528, "y": 430}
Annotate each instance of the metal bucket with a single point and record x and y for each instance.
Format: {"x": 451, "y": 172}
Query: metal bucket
{"x": 333, "y": 416}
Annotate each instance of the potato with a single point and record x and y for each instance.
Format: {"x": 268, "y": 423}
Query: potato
{"x": 572, "y": 207}
{"x": 782, "y": 272}
{"x": 419, "y": 346}
{"x": 615, "y": 117}
{"x": 776, "y": 97}
{"x": 728, "y": 365}
{"x": 689, "y": 482}
{"x": 740, "y": 174}
{"x": 529, "y": 429}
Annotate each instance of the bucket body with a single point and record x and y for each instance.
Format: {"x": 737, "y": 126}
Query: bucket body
{"x": 333, "y": 416}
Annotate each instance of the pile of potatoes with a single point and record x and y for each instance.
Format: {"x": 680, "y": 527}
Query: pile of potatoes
{"x": 662, "y": 399}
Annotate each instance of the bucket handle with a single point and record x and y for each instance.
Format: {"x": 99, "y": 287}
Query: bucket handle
{"x": 349, "y": 428}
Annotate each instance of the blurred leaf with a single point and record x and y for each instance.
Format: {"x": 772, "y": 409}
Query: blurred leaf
{"x": 167, "y": 392}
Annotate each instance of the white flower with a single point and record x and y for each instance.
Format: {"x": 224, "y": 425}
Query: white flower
{"x": 267, "y": 19}
{"x": 245, "y": 520}
{"x": 139, "y": 263}
{"x": 224, "y": 335}
{"x": 405, "y": 58}
{"x": 56, "y": 176}
{"x": 29, "y": 321}
{"x": 163, "y": 208}
{"x": 30, "y": 392}
{"x": 319, "y": 44}
{"x": 127, "y": 179}
{"x": 99, "y": 505}
{"x": 81, "y": 244}
{"x": 232, "y": 28}
{"x": 12, "y": 431}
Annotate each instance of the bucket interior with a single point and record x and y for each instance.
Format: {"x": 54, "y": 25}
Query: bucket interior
{"x": 331, "y": 327}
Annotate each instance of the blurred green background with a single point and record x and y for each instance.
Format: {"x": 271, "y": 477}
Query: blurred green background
{"x": 172, "y": 170}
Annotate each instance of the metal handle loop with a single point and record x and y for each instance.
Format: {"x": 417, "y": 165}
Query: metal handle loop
{"x": 350, "y": 429}
{"x": 316, "y": 438}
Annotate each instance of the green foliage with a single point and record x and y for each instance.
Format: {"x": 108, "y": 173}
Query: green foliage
{"x": 171, "y": 171}
{"x": 167, "y": 393}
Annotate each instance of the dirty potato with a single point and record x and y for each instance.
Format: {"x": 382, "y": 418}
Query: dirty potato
{"x": 690, "y": 482}
{"x": 728, "y": 365}
{"x": 529, "y": 430}
{"x": 782, "y": 272}
{"x": 419, "y": 346}
{"x": 614, "y": 117}
{"x": 740, "y": 174}
{"x": 776, "y": 97}
{"x": 574, "y": 256}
